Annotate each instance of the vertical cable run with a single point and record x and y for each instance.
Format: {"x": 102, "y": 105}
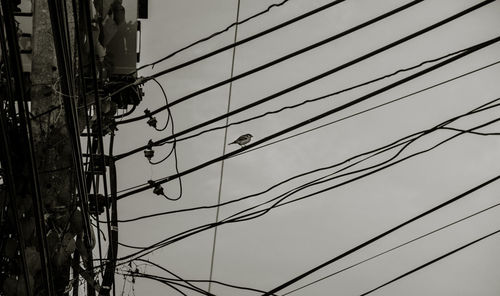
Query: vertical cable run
{"x": 224, "y": 145}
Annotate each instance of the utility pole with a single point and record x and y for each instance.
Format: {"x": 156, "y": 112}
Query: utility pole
{"x": 53, "y": 146}
{"x": 47, "y": 195}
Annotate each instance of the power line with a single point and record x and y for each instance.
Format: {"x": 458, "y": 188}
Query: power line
{"x": 318, "y": 117}
{"x": 376, "y": 238}
{"x": 188, "y": 282}
{"x": 188, "y": 233}
{"x": 169, "y": 119}
{"x": 393, "y": 248}
{"x": 372, "y": 108}
{"x": 240, "y": 42}
{"x": 168, "y": 271}
{"x": 431, "y": 262}
{"x": 376, "y": 168}
{"x": 233, "y": 218}
{"x": 320, "y": 97}
{"x": 169, "y": 112}
{"x": 345, "y": 117}
{"x": 224, "y": 146}
{"x": 173, "y": 150}
{"x": 108, "y": 277}
{"x": 315, "y": 78}
{"x": 172, "y": 284}
{"x": 277, "y": 61}
{"x": 235, "y": 24}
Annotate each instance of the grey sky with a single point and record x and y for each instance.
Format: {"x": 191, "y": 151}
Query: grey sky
{"x": 268, "y": 251}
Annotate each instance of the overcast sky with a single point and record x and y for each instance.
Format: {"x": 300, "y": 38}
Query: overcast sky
{"x": 268, "y": 251}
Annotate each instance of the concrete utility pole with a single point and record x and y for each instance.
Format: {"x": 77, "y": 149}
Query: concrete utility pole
{"x": 53, "y": 148}
{"x": 47, "y": 183}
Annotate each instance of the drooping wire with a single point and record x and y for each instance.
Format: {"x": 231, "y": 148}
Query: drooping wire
{"x": 376, "y": 238}
{"x": 372, "y": 108}
{"x": 280, "y": 200}
{"x": 347, "y": 117}
{"x": 176, "y": 282}
{"x": 382, "y": 166}
{"x": 169, "y": 119}
{"x": 199, "y": 229}
{"x": 420, "y": 134}
{"x": 152, "y": 121}
{"x": 177, "y": 278}
{"x": 315, "y": 78}
{"x": 235, "y": 24}
{"x": 326, "y": 96}
{"x": 393, "y": 249}
{"x": 318, "y": 117}
{"x": 146, "y": 250}
{"x": 174, "y": 150}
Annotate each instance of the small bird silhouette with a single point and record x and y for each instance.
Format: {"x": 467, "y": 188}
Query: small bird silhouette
{"x": 242, "y": 140}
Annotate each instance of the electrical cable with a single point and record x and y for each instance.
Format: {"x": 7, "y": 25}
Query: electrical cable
{"x": 167, "y": 271}
{"x": 376, "y": 238}
{"x": 317, "y": 117}
{"x": 169, "y": 113}
{"x": 235, "y": 24}
{"x": 279, "y": 204}
{"x": 8, "y": 177}
{"x": 199, "y": 229}
{"x": 224, "y": 146}
{"x": 431, "y": 262}
{"x": 84, "y": 11}
{"x": 483, "y": 108}
{"x": 381, "y": 166}
{"x": 169, "y": 119}
{"x": 316, "y": 182}
{"x": 174, "y": 150}
{"x": 436, "y": 230}
{"x": 240, "y": 42}
{"x": 317, "y": 77}
{"x": 26, "y": 131}
{"x": 372, "y": 108}
{"x": 343, "y": 118}
{"x": 393, "y": 248}
{"x": 175, "y": 282}
{"x": 371, "y": 154}
{"x": 184, "y": 234}
{"x": 8, "y": 72}
{"x": 188, "y": 283}
{"x": 58, "y": 15}
{"x": 108, "y": 279}
{"x": 279, "y": 60}
{"x": 172, "y": 284}
{"x": 329, "y": 95}
{"x": 91, "y": 179}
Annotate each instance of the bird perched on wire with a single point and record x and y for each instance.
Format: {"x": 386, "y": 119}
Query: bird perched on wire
{"x": 242, "y": 140}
